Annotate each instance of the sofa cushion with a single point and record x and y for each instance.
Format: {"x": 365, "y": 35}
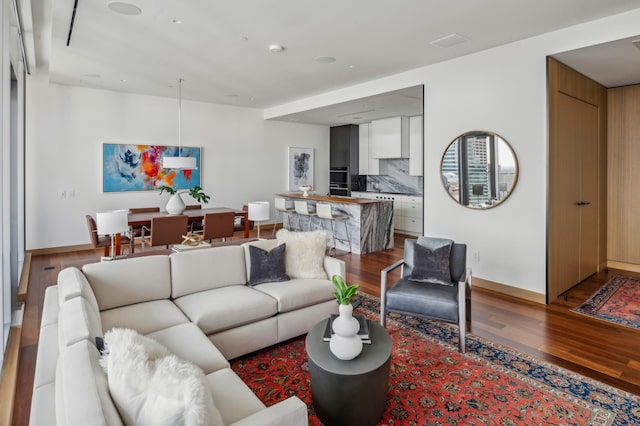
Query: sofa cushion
{"x": 128, "y": 281}
{"x": 431, "y": 265}
{"x": 198, "y": 270}
{"x": 73, "y": 283}
{"x": 266, "y": 245}
{"x": 189, "y": 342}
{"x": 235, "y": 399}
{"x": 81, "y": 389}
{"x": 144, "y": 317}
{"x": 267, "y": 266}
{"x": 151, "y": 386}
{"x": 304, "y": 256}
{"x": 298, "y": 293}
{"x": 77, "y": 321}
{"x": 223, "y": 308}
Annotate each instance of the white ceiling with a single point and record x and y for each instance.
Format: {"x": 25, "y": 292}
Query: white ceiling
{"x": 220, "y": 48}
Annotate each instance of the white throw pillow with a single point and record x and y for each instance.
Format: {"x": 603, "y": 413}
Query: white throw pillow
{"x": 304, "y": 255}
{"x": 151, "y": 386}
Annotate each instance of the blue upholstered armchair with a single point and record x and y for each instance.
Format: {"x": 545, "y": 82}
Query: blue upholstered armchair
{"x": 435, "y": 283}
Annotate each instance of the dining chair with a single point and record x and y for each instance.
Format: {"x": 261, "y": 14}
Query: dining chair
{"x": 98, "y": 241}
{"x": 239, "y": 224}
{"x": 136, "y": 231}
{"x": 218, "y": 225}
{"x": 165, "y": 230}
{"x": 196, "y": 225}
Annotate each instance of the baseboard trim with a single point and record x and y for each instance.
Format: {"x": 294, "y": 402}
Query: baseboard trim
{"x": 520, "y": 293}
{"x": 622, "y": 265}
{"x": 56, "y": 250}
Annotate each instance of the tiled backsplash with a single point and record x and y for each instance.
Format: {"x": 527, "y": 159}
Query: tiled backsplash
{"x": 397, "y": 179}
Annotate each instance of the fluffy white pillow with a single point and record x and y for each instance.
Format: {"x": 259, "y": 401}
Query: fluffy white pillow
{"x": 304, "y": 255}
{"x": 151, "y": 386}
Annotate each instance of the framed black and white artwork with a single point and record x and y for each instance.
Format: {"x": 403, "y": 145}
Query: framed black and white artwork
{"x": 300, "y": 168}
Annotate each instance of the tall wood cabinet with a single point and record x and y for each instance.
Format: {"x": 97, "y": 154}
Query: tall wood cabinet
{"x": 577, "y": 179}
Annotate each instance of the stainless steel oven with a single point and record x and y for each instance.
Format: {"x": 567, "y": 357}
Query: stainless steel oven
{"x": 339, "y": 181}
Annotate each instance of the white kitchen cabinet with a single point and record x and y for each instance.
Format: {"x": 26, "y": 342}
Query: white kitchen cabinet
{"x": 408, "y": 214}
{"x": 415, "y": 146}
{"x": 367, "y": 164}
{"x": 390, "y": 138}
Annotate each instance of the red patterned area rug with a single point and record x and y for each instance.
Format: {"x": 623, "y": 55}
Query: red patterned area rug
{"x": 431, "y": 383}
{"x": 617, "y": 301}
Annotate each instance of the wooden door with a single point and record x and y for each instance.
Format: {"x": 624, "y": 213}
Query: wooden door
{"x": 577, "y": 179}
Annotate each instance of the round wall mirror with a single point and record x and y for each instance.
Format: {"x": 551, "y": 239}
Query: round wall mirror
{"x": 479, "y": 170}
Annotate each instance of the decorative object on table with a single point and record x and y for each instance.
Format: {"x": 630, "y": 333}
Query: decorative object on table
{"x": 300, "y": 167}
{"x": 259, "y": 211}
{"x": 192, "y": 239}
{"x": 363, "y": 332}
{"x": 179, "y": 161}
{"x": 139, "y": 168}
{"x": 176, "y": 203}
{"x": 345, "y": 343}
{"x": 112, "y": 223}
{"x": 305, "y": 190}
{"x": 616, "y": 301}
{"x": 177, "y": 248}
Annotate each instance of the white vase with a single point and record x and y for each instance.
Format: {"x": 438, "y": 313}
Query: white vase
{"x": 175, "y": 205}
{"x": 345, "y": 343}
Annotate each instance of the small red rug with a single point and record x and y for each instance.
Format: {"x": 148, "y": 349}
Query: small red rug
{"x": 431, "y": 383}
{"x": 617, "y": 301}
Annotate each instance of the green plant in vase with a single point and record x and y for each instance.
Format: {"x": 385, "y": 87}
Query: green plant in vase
{"x": 343, "y": 293}
{"x": 176, "y": 204}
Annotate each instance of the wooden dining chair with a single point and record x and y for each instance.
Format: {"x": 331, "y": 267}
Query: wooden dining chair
{"x": 165, "y": 230}
{"x": 98, "y": 241}
{"x": 196, "y": 225}
{"x": 136, "y": 231}
{"x": 239, "y": 226}
{"x": 218, "y": 225}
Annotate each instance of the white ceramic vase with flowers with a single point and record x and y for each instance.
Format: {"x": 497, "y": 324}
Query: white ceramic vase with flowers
{"x": 176, "y": 203}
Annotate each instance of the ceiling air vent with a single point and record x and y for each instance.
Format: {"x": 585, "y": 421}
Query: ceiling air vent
{"x": 450, "y": 40}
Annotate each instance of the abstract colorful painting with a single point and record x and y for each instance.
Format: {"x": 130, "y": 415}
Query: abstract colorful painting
{"x": 139, "y": 168}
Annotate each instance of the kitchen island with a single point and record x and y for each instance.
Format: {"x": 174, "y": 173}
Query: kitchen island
{"x": 370, "y": 222}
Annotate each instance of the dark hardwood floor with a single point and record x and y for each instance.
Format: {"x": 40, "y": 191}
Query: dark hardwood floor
{"x": 596, "y": 349}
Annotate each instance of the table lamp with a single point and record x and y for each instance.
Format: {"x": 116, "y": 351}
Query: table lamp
{"x": 259, "y": 211}
{"x": 112, "y": 223}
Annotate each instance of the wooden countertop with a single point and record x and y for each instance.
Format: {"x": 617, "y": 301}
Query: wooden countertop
{"x": 330, "y": 199}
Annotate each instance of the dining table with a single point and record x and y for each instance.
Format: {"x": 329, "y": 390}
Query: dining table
{"x": 195, "y": 215}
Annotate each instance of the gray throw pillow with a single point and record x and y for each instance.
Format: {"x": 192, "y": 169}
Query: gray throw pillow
{"x": 267, "y": 266}
{"x": 431, "y": 266}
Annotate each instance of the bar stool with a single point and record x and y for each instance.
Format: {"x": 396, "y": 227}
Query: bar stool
{"x": 302, "y": 208}
{"x": 324, "y": 212}
{"x": 281, "y": 208}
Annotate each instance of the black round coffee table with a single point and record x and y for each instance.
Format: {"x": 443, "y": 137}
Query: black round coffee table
{"x": 349, "y": 392}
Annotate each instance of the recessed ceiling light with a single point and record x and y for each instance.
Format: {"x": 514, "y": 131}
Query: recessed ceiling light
{"x": 276, "y": 48}
{"x": 325, "y": 59}
{"x": 124, "y": 8}
{"x": 450, "y": 40}
{"x": 124, "y": 80}
{"x": 352, "y": 66}
{"x": 244, "y": 38}
{"x": 177, "y": 21}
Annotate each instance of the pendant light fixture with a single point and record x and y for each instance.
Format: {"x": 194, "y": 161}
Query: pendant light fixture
{"x": 179, "y": 162}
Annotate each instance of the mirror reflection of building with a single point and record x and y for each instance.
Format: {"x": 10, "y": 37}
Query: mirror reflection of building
{"x": 479, "y": 169}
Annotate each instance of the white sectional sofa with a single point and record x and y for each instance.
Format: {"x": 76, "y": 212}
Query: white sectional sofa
{"x": 196, "y": 304}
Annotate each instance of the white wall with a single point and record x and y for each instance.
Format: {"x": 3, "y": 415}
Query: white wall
{"x": 244, "y": 157}
{"x": 502, "y": 90}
